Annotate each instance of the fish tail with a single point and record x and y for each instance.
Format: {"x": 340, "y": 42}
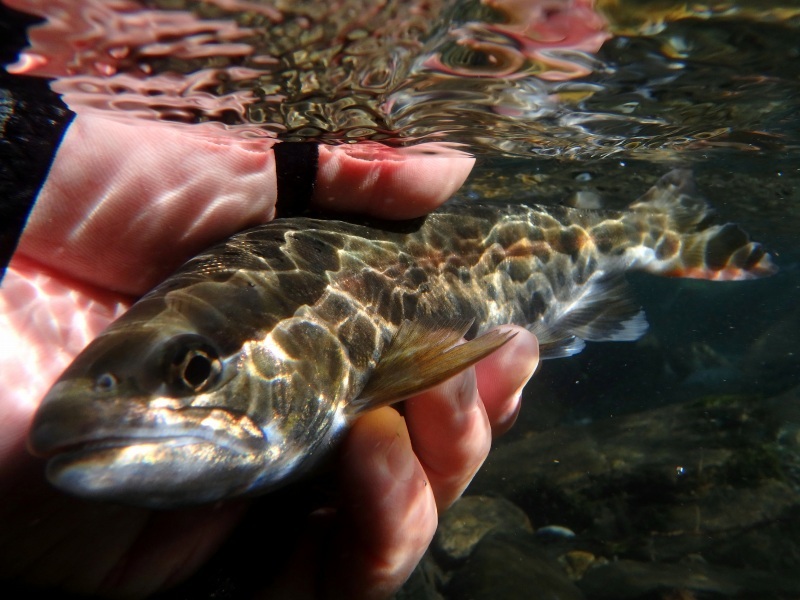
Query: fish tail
{"x": 689, "y": 245}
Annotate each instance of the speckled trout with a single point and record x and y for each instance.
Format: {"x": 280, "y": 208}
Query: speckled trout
{"x": 244, "y": 368}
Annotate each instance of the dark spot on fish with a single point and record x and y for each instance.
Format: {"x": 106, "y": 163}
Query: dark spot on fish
{"x": 335, "y": 308}
{"x": 302, "y": 288}
{"x": 416, "y": 276}
{"x": 198, "y": 371}
{"x": 395, "y": 311}
{"x": 668, "y": 246}
{"x": 518, "y": 270}
{"x": 606, "y": 236}
{"x": 754, "y": 257}
{"x": 316, "y": 253}
{"x": 383, "y": 304}
{"x": 376, "y": 289}
{"x": 410, "y": 302}
{"x": 468, "y": 229}
{"x": 537, "y": 306}
{"x": 720, "y": 247}
{"x": 510, "y": 234}
{"x": 358, "y": 336}
{"x": 571, "y": 241}
{"x": 491, "y": 291}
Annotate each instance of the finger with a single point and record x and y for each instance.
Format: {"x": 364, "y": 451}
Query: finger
{"x": 119, "y": 194}
{"x": 125, "y": 204}
{"x": 49, "y": 539}
{"x": 451, "y": 434}
{"x": 170, "y": 547}
{"x": 382, "y": 182}
{"x": 503, "y": 374}
{"x": 302, "y": 577}
{"x": 388, "y": 515}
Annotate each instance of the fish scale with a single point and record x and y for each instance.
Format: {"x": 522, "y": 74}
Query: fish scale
{"x": 243, "y": 369}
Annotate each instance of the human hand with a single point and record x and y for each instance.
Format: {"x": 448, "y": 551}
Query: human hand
{"x": 122, "y": 207}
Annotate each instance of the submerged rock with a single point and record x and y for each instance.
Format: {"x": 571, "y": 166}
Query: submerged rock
{"x": 506, "y": 567}
{"x": 700, "y": 499}
{"x": 646, "y": 480}
{"x": 631, "y": 580}
{"x": 424, "y": 582}
{"x": 469, "y": 520}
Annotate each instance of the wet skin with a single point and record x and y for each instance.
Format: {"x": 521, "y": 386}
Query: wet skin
{"x": 122, "y": 207}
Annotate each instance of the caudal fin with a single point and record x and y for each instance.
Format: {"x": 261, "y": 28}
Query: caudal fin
{"x": 687, "y": 244}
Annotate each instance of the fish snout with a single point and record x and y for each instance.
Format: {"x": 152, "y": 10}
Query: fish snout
{"x": 152, "y": 452}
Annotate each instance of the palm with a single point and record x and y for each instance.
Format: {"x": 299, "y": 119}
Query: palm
{"x": 120, "y": 210}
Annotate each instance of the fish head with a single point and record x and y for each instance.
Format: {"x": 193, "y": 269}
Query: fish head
{"x": 161, "y": 417}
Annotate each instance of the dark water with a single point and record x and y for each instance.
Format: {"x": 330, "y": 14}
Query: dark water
{"x": 665, "y": 468}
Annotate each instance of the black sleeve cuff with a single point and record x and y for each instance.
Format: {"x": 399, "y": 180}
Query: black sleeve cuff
{"x": 32, "y": 122}
{"x": 296, "y": 169}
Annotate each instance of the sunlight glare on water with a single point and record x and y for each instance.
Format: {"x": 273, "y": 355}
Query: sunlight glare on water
{"x": 573, "y": 78}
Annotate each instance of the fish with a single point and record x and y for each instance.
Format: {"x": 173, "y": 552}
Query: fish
{"x": 242, "y": 371}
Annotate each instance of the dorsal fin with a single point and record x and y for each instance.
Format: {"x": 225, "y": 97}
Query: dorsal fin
{"x": 422, "y": 354}
{"x": 676, "y": 196}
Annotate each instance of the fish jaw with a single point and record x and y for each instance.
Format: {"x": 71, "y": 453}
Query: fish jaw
{"x": 159, "y": 474}
{"x": 153, "y": 452}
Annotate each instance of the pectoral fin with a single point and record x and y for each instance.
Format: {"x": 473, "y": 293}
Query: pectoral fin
{"x": 423, "y": 354}
{"x": 598, "y": 310}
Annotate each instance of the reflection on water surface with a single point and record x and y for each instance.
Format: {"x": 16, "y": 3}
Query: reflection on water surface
{"x": 549, "y": 78}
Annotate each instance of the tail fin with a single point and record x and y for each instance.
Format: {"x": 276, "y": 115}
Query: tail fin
{"x": 688, "y": 246}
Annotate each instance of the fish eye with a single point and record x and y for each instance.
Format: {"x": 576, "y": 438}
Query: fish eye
{"x": 193, "y": 366}
{"x": 197, "y": 369}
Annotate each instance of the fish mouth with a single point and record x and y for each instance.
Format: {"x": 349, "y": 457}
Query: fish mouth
{"x": 152, "y": 472}
{"x": 88, "y": 447}
{"x": 60, "y": 428}
{"x": 101, "y": 453}
{"x": 151, "y": 454}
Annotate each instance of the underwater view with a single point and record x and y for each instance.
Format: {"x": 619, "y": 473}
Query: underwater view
{"x": 596, "y": 153}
